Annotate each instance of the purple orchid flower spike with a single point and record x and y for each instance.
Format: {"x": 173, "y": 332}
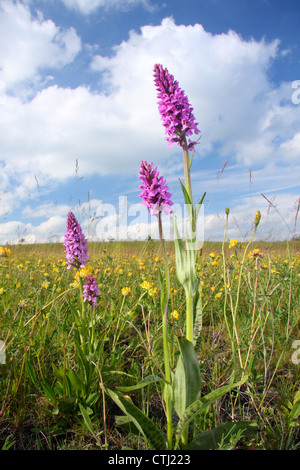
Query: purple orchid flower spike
{"x": 90, "y": 291}
{"x": 154, "y": 193}
{"x": 175, "y": 110}
{"x": 75, "y": 243}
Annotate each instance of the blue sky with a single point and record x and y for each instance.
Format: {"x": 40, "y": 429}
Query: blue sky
{"x": 78, "y": 112}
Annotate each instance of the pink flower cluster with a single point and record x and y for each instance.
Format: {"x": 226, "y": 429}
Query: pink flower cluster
{"x": 90, "y": 290}
{"x": 175, "y": 110}
{"x": 77, "y": 256}
{"x": 75, "y": 243}
{"x": 154, "y": 189}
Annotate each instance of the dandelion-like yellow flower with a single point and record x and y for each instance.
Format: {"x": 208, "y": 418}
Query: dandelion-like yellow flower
{"x": 232, "y": 243}
{"x": 256, "y": 253}
{"x": 86, "y": 271}
{"x": 152, "y": 291}
{"x": 146, "y": 285}
{"x": 126, "y": 291}
{"x": 83, "y": 273}
{"x": 212, "y": 255}
{"x": 175, "y": 314}
{"x": 218, "y": 295}
{"x": 5, "y": 251}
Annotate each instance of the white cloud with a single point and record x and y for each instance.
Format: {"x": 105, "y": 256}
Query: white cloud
{"x": 277, "y": 219}
{"x": 111, "y": 130}
{"x": 278, "y": 222}
{"x": 90, "y": 6}
{"x": 29, "y": 44}
{"x": 51, "y": 230}
{"x": 224, "y": 77}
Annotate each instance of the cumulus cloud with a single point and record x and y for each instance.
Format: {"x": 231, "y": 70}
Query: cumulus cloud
{"x": 224, "y": 76}
{"x": 28, "y": 44}
{"x": 109, "y": 129}
{"x": 89, "y": 6}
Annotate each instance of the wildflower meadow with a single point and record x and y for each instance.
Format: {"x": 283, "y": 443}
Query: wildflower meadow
{"x": 152, "y": 345}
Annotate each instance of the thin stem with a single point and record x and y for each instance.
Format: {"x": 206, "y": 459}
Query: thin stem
{"x": 225, "y": 284}
{"x": 238, "y": 295}
{"x": 165, "y": 337}
{"x": 188, "y": 293}
{"x": 187, "y": 173}
{"x": 189, "y": 318}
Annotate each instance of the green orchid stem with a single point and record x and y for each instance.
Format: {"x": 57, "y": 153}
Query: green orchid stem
{"x": 83, "y": 318}
{"x": 189, "y": 295}
{"x": 189, "y": 318}
{"x": 188, "y": 187}
{"x": 168, "y": 400}
{"x": 187, "y": 173}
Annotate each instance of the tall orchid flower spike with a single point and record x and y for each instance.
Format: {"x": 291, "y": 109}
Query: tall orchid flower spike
{"x": 90, "y": 291}
{"x": 154, "y": 193}
{"x": 175, "y": 110}
{"x": 177, "y": 117}
{"x": 75, "y": 243}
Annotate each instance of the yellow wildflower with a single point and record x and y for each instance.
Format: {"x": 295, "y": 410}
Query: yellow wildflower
{"x": 126, "y": 291}
{"x": 212, "y": 255}
{"x": 85, "y": 272}
{"x": 146, "y": 285}
{"x": 232, "y": 243}
{"x": 152, "y": 292}
{"x": 218, "y": 295}
{"x": 5, "y": 251}
{"x": 256, "y": 253}
{"x": 175, "y": 314}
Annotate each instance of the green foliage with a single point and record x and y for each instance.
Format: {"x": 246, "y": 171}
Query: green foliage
{"x": 43, "y": 382}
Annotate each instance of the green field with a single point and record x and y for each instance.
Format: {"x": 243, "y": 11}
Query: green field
{"x": 44, "y": 385}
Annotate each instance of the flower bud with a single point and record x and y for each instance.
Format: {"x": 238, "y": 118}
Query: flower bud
{"x": 257, "y": 218}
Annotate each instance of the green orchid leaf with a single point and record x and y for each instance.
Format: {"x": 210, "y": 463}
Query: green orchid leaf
{"x": 198, "y": 206}
{"x": 154, "y": 436}
{"x": 200, "y": 405}
{"x": 144, "y": 383}
{"x": 225, "y": 436}
{"x": 187, "y": 378}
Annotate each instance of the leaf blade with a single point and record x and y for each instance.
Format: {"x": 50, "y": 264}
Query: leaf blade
{"x": 150, "y": 431}
{"x": 202, "y": 404}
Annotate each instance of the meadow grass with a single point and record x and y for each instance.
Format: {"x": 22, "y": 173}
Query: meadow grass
{"x": 251, "y": 315}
